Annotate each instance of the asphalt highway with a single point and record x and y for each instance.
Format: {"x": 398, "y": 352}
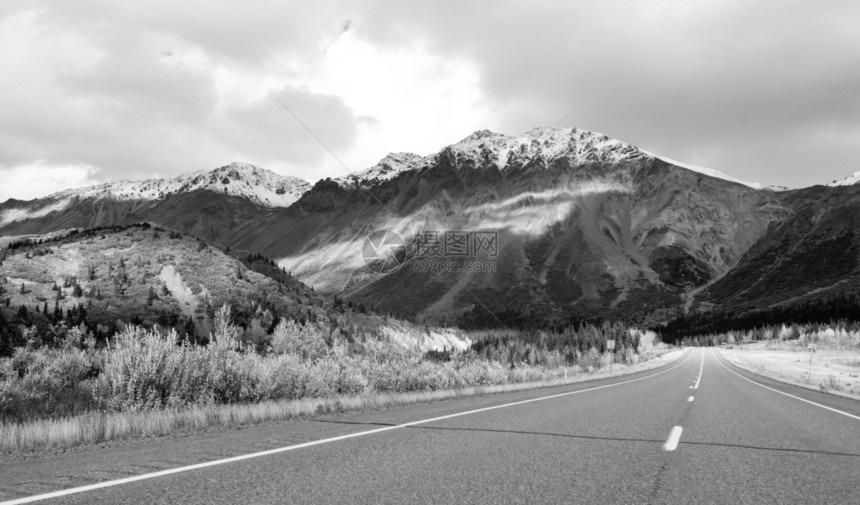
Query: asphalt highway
{"x": 698, "y": 430}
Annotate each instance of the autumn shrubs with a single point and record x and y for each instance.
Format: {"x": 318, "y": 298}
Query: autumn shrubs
{"x": 148, "y": 369}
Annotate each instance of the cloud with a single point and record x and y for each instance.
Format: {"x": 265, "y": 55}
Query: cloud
{"x": 137, "y": 103}
{"x": 268, "y": 128}
{"x": 721, "y": 84}
{"x": 20, "y": 183}
{"x": 762, "y": 91}
{"x": 418, "y": 101}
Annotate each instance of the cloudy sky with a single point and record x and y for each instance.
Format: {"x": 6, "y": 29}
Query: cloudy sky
{"x": 94, "y": 91}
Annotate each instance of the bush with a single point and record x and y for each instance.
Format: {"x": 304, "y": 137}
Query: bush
{"x": 302, "y": 339}
{"x": 143, "y": 370}
{"x": 591, "y": 360}
{"x": 630, "y": 356}
{"x": 39, "y": 383}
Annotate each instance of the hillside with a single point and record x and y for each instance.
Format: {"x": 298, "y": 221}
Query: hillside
{"x": 146, "y": 275}
{"x": 813, "y": 255}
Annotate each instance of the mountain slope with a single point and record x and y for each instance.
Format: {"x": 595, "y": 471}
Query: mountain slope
{"x": 813, "y": 255}
{"x": 387, "y": 168}
{"x": 147, "y": 275}
{"x": 587, "y": 226}
{"x": 719, "y": 175}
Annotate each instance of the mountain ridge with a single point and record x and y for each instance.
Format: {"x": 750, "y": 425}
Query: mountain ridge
{"x": 239, "y": 179}
{"x": 588, "y": 227}
{"x": 847, "y": 181}
{"x": 270, "y": 189}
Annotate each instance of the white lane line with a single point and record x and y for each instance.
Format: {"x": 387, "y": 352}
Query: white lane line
{"x": 852, "y": 416}
{"x": 701, "y": 369}
{"x": 674, "y": 437}
{"x": 171, "y": 471}
{"x": 691, "y": 398}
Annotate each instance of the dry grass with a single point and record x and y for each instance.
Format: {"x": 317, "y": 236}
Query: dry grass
{"x": 100, "y": 427}
{"x": 832, "y": 370}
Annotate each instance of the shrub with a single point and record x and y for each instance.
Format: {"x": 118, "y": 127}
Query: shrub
{"x": 45, "y": 382}
{"x": 630, "y": 356}
{"x": 305, "y": 340}
{"x": 591, "y": 360}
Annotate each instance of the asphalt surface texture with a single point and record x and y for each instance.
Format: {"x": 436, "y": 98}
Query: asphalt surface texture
{"x": 698, "y": 430}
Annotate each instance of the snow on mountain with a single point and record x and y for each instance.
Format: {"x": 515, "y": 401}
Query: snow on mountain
{"x": 548, "y": 143}
{"x": 848, "y": 181}
{"x": 578, "y": 145}
{"x": 238, "y": 179}
{"x": 387, "y": 168}
{"x": 717, "y": 174}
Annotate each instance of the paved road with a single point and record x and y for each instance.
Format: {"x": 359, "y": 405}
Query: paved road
{"x": 695, "y": 431}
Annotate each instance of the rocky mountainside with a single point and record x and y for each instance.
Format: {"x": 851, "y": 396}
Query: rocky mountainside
{"x": 812, "y": 255}
{"x": 583, "y": 226}
{"x": 388, "y": 167}
{"x": 143, "y": 274}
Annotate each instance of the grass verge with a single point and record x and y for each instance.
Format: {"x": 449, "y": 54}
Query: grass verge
{"x": 101, "y": 427}
{"x": 831, "y": 370}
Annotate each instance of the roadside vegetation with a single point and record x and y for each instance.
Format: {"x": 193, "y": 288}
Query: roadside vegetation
{"x": 707, "y": 326}
{"x": 105, "y": 278}
{"x": 71, "y": 388}
{"x": 783, "y": 353}
{"x": 138, "y": 330}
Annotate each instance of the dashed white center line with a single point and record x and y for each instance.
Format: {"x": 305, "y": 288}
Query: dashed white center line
{"x": 701, "y": 369}
{"x": 674, "y": 437}
{"x": 691, "y": 398}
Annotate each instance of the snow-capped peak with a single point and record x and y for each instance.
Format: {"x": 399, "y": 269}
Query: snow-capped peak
{"x": 543, "y": 144}
{"x": 387, "y": 168}
{"x": 577, "y": 145}
{"x": 548, "y": 143}
{"x": 848, "y": 181}
{"x": 239, "y": 179}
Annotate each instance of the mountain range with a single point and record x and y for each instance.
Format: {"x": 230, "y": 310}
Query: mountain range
{"x": 584, "y": 226}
